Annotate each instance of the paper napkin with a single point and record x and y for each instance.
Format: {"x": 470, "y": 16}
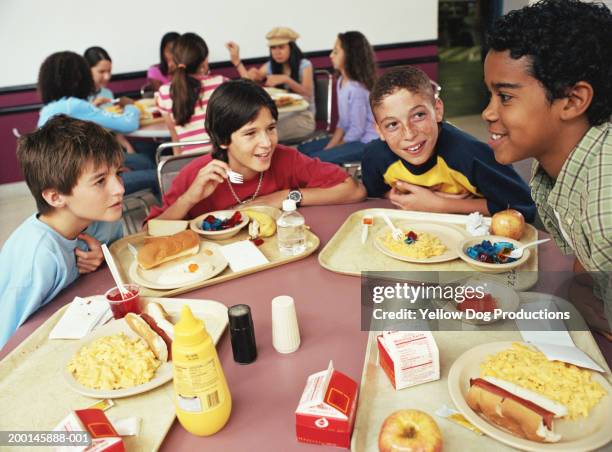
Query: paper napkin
{"x": 82, "y": 316}
{"x": 243, "y": 255}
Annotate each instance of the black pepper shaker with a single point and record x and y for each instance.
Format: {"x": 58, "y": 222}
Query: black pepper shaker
{"x": 242, "y": 334}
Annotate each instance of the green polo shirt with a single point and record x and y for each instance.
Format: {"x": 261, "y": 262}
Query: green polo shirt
{"x": 576, "y": 208}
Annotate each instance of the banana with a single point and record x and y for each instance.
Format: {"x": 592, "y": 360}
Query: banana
{"x": 267, "y": 225}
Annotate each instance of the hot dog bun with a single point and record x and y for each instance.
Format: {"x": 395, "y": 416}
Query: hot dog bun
{"x": 520, "y": 413}
{"x": 156, "y": 343}
{"x": 157, "y": 250}
{"x": 161, "y": 317}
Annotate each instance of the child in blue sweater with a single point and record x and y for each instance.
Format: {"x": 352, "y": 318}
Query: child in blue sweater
{"x": 72, "y": 169}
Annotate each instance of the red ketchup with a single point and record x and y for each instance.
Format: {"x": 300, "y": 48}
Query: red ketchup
{"x": 120, "y": 306}
{"x": 484, "y": 304}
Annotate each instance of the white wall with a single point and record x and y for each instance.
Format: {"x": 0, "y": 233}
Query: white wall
{"x": 131, "y": 30}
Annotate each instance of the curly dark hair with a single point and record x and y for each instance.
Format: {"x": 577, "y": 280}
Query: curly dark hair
{"x": 65, "y": 74}
{"x": 566, "y": 41}
{"x": 359, "y": 60}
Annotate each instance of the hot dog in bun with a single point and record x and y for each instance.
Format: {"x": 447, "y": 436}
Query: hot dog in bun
{"x": 519, "y": 410}
{"x": 154, "y": 326}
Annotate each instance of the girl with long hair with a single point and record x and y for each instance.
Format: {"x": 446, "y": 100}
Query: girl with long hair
{"x": 184, "y": 101}
{"x": 161, "y": 73}
{"x": 241, "y": 121}
{"x": 353, "y": 60}
{"x": 287, "y": 69}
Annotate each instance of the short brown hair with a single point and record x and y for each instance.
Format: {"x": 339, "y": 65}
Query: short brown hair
{"x": 55, "y": 155}
{"x": 410, "y": 78}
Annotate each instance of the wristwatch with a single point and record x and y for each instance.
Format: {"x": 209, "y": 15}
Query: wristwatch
{"x": 296, "y": 195}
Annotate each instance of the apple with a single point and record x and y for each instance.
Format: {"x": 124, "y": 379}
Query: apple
{"x": 409, "y": 431}
{"x": 508, "y": 223}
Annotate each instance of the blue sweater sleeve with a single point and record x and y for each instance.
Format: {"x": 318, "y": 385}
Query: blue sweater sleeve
{"x": 27, "y": 290}
{"x": 376, "y": 160}
{"x": 125, "y": 122}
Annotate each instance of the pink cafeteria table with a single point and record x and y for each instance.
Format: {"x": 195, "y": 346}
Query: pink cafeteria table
{"x": 266, "y": 393}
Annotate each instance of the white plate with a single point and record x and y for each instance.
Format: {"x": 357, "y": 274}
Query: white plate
{"x": 157, "y": 278}
{"x": 448, "y": 235}
{"x": 213, "y": 313}
{"x": 579, "y": 435}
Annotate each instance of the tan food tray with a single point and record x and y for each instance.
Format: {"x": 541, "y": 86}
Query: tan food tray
{"x": 345, "y": 253}
{"x": 269, "y": 248}
{"x": 35, "y": 396}
{"x": 378, "y": 399}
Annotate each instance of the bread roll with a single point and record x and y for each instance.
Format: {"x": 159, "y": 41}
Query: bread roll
{"x": 157, "y": 250}
{"x": 155, "y": 342}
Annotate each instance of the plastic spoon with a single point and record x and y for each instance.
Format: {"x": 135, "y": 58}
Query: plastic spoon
{"x": 518, "y": 252}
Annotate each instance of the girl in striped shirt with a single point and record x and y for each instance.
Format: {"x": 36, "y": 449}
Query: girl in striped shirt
{"x": 184, "y": 100}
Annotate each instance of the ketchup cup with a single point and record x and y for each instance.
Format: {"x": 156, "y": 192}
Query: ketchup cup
{"x": 130, "y": 302}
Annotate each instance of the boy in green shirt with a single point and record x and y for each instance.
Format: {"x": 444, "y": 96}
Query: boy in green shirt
{"x": 549, "y": 71}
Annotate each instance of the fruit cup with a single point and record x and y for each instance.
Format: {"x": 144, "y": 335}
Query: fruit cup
{"x": 122, "y": 305}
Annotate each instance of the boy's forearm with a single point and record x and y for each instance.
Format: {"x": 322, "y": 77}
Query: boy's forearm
{"x": 177, "y": 211}
{"x": 468, "y": 205}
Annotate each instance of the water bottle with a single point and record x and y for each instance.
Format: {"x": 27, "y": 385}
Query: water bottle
{"x": 290, "y": 230}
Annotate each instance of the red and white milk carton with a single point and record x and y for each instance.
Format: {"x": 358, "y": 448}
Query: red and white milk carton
{"x": 409, "y": 358}
{"x": 104, "y": 437}
{"x": 326, "y": 413}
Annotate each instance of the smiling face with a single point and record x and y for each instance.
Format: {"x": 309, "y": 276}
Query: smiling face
{"x": 337, "y": 56}
{"x": 251, "y": 147}
{"x": 522, "y": 122}
{"x": 96, "y": 196}
{"x": 408, "y": 123}
{"x": 280, "y": 53}
{"x": 101, "y": 73}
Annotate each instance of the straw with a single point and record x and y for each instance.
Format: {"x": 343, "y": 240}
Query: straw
{"x": 113, "y": 269}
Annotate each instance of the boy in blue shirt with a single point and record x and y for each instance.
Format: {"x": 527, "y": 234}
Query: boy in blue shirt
{"x": 72, "y": 169}
{"x": 422, "y": 163}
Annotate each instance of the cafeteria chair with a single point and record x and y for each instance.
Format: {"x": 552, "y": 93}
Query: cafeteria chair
{"x": 168, "y": 168}
{"x": 135, "y": 210}
{"x": 172, "y": 144}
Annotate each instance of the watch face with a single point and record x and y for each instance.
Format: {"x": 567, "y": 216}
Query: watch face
{"x": 295, "y": 195}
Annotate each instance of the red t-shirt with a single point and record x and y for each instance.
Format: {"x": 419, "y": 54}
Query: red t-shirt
{"x": 289, "y": 169}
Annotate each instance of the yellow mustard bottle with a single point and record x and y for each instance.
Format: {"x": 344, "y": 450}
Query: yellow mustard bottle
{"x": 202, "y": 399}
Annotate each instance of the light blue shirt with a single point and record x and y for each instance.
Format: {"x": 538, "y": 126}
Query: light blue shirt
{"x": 354, "y": 112}
{"x": 36, "y": 263}
{"x": 77, "y": 108}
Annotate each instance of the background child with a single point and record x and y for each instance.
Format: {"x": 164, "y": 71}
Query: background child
{"x": 161, "y": 73}
{"x": 71, "y": 167}
{"x": 241, "y": 122}
{"x": 287, "y": 69}
{"x": 353, "y": 59}
{"x": 65, "y": 84}
{"x": 184, "y": 100}
{"x": 549, "y": 70}
{"x": 101, "y": 67}
{"x": 422, "y": 163}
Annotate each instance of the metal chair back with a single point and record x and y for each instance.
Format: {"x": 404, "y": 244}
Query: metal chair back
{"x": 173, "y": 144}
{"x": 323, "y": 91}
{"x": 168, "y": 168}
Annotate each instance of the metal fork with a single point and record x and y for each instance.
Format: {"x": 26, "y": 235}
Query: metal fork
{"x": 234, "y": 177}
{"x": 396, "y": 233}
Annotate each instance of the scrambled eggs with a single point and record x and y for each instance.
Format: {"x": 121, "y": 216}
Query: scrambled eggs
{"x": 564, "y": 383}
{"x": 114, "y": 362}
{"x": 426, "y": 245}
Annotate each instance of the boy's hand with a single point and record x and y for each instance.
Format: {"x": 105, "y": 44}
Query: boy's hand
{"x": 206, "y": 181}
{"x": 414, "y": 197}
{"x": 89, "y": 261}
{"x": 101, "y": 101}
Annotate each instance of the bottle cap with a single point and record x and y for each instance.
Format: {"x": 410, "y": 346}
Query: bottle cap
{"x": 288, "y": 205}
{"x": 189, "y": 330}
